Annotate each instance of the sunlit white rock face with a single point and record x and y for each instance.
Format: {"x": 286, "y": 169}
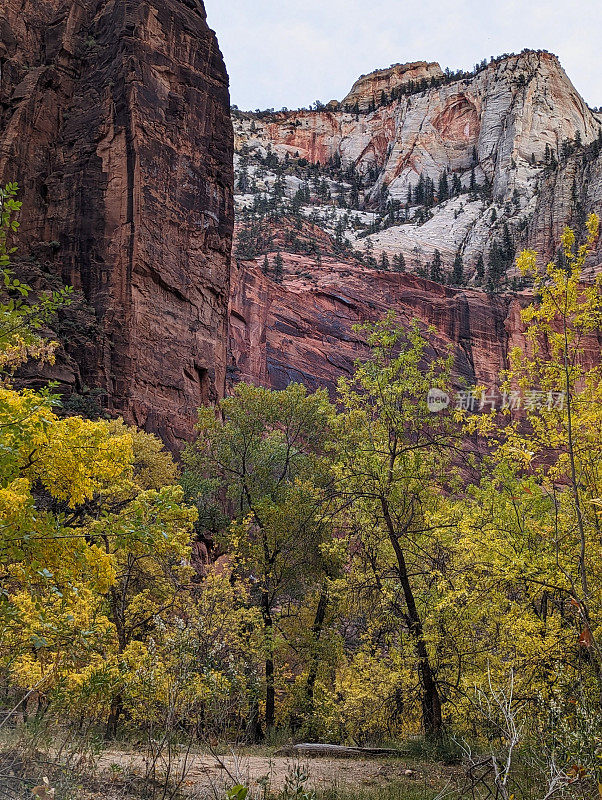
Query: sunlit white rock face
{"x": 368, "y": 89}
{"x": 498, "y": 123}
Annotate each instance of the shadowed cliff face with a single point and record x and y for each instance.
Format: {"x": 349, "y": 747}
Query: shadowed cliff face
{"x": 303, "y": 330}
{"x": 114, "y": 120}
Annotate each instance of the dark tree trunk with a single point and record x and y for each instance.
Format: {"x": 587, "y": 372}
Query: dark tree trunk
{"x": 117, "y": 617}
{"x": 316, "y": 634}
{"x": 255, "y": 733}
{"x": 268, "y": 626}
{"x": 113, "y": 720}
{"x": 432, "y": 721}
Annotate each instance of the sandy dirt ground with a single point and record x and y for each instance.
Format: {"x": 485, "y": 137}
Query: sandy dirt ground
{"x": 210, "y": 773}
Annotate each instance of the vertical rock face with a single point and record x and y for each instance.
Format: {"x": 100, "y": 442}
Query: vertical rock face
{"x": 114, "y": 120}
{"x": 303, "y": 330}
{"x": 496, "y": 120}
{"x": 566, "y": 197}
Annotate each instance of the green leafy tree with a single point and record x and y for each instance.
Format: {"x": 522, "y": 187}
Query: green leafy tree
{"x": 530, "y": 531}
{"x": 85, "y": 520}
{"x": 267, "y": 454}
{"x": 393, "y": 460}
{"x": 564, "y": 434}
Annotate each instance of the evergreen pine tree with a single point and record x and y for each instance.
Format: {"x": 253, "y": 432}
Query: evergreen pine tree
{"x": 508, "y": 245}
{"x": 480, "y": 270}
{"x": 456, "y": 185}
{"x": 278, "y": 268}
{"x": 437, "y": 267}
{"x": 473, "y": 180}
{"x": 384, "y": 262}
{"x": 498, "y": 266}
{"x": 369, "y": 259}
{"x": 279, "y": 186}
{"x": 399, "y": 263}
{"x": 243, "y": 179}
{"x": 265, "y": 267}
{"x": 429, "y": 192}
{"x": 419, "y": 192}
{"x": 297, "y": 201}
{"x": 458, "y": 270}
{"x": 443, "y": 189}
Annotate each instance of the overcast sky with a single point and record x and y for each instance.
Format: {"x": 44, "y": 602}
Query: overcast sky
{"x": 282, "y": 53}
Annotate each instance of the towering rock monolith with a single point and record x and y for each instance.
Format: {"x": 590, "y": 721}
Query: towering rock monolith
{"x": 114, "y": 120}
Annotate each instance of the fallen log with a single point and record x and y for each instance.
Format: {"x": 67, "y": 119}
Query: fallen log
{"x": 336, "y": 751}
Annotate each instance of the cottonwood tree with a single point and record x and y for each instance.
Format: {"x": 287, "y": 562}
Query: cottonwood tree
{"x": 532, "y": 528}
{"x": 265, "y": 452}
{"x": 393, "y": 461}
{"x": 562, "y": 445}
{"x": 90, "y": 534}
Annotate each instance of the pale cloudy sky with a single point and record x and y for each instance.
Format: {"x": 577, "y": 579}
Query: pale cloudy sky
{"x": 282, "y": 53}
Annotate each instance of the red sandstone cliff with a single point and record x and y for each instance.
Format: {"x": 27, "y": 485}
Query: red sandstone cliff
{"x": 367, "y": 90}
{"x": 114, "y": 120}
{"x": 303, "y": 330}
